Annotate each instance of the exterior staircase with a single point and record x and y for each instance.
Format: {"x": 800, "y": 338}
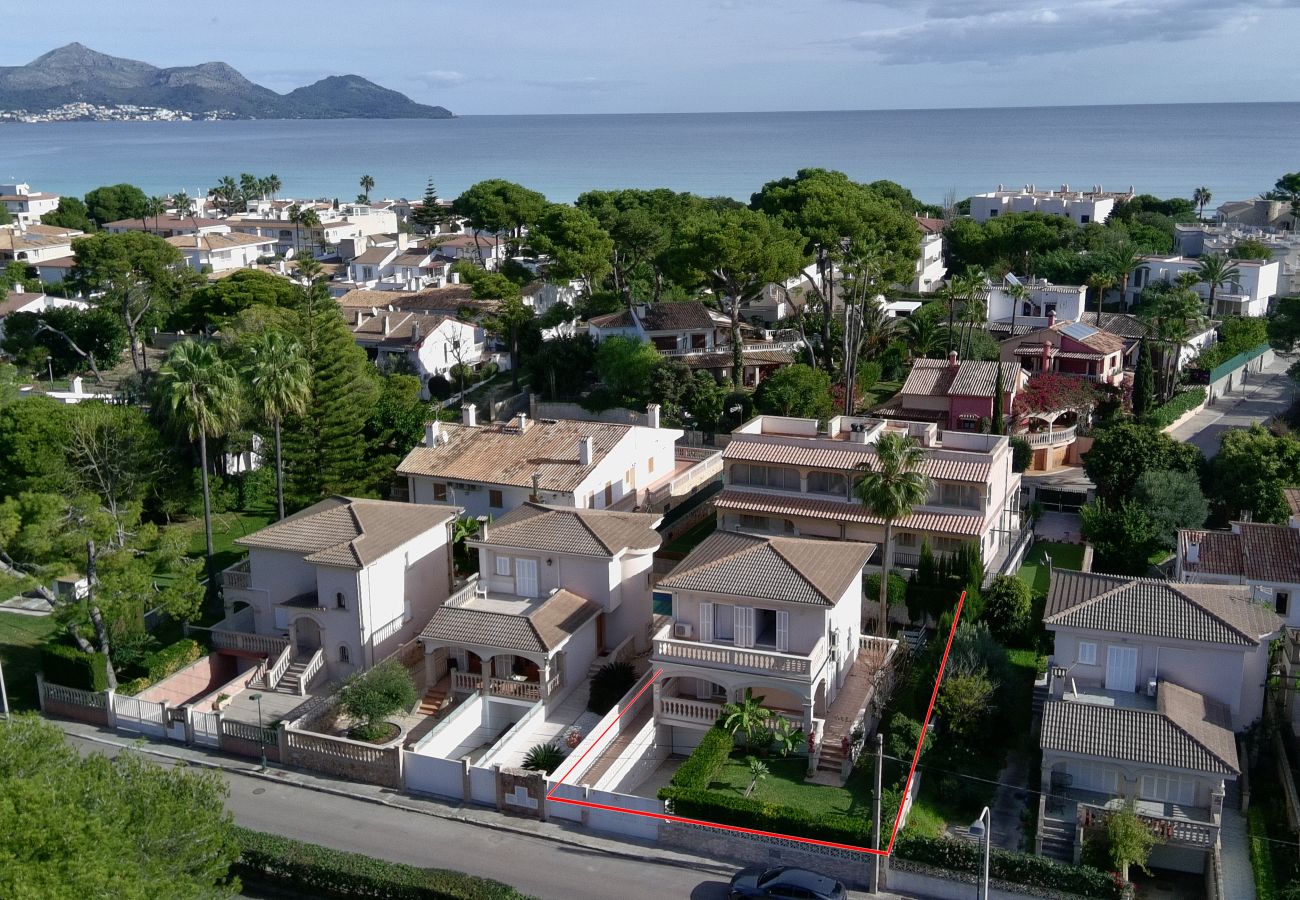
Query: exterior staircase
{"x": 1058, "y": 840}
{"x": 294, "y": 680}
{"x": 435, "y": 698}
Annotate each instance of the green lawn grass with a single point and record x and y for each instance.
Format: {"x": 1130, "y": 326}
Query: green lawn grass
{"x": 687, "y": 542}
{"x": 1033, "y": 571}
{"x": 20, "y": 640}
{"x": 880, "y": 392}
{"x": 786, "y": 785}
{"x": 227, "y": 527}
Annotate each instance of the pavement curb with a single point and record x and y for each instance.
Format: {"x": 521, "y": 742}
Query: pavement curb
{"x": 286, "y": 778}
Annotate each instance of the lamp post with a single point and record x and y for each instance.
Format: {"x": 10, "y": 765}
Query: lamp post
{"x": 261, "y": 733}
{"x": 49, "y": 364}
{"x": 983, "y": 828}
{"x": 4, "y": 696}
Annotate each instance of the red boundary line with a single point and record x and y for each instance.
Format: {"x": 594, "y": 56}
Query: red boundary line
{"x": 925, "y": 725}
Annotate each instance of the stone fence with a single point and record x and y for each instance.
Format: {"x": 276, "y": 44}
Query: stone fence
{"x": 357, "y": 760}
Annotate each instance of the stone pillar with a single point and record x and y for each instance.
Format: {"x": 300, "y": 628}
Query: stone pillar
{"x": 109, "y": 696}
{"x": 430, "y": 666}
{"x": 808, "y": 715}
{"x": 189, "y": 724}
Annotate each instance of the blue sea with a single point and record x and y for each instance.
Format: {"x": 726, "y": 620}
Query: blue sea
{"x": 1236, "y": 150}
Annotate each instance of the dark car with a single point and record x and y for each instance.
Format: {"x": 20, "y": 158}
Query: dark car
{"x": 785, "y": 883}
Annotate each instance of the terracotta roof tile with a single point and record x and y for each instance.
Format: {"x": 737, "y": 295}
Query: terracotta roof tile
{"x": 1255, "y": 551}
{"x": 537, "y": 632}
{"x": 844, "y": 511}
{"x": 847, "y": 457}
{"x": 565, "y": 529}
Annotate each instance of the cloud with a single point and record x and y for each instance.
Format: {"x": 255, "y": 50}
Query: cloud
{"x": 993, "y": 31}
{"x": 443, "y": 78}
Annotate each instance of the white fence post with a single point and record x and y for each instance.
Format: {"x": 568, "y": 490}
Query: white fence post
{"x": 110, "y": 698}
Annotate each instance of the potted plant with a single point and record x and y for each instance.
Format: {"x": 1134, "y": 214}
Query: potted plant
{"x": 573, "y": 738}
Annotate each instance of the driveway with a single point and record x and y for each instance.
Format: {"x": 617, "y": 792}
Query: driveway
{"x": 1267, "y": 393}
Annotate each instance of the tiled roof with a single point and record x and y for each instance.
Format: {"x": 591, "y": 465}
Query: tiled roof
{"x": 1098, "y": 340}
{"x": 401, "y": 328}
{"x": 350, "y": 533}
{"x": 1185, "y": 731}
{"x": 847, "y": 456}
{"x": 1122, "y": 324}
{"x": 1254, "y": 551}
{"x": 795, "y": 570}
{"x": 970, "y": 378}
{"x": 677, "y": 316}
{"x": 374, "y": 256}
{"x": 723, "y": 359}
{"x": 216, "y": 241}
{"x": 930, "y": 226}
{"x": 565, "y": 529}
{"x": 1215, "y": 614}
{"x": 501, "y": 454}
{"x": 540, "y": 631}
{"x": 1292, "y": 496}
{"x": 16, "y": 300}
{"x": 844, "y": 511}
{"x": 621, "y": 319}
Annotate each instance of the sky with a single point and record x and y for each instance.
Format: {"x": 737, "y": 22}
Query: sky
{"x": 614, "y": 56}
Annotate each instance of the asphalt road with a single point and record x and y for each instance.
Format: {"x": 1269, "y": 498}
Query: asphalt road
{"x": 1268, "y": 393}
{"x": 533, "y": 865}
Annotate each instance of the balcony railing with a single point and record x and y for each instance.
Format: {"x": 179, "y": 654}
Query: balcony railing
{"x": 699, "y": 712}
{"x": 466, "y": 681}
{"x": 740, "y": 659}
{"x": 1051, "y": 438}
{"x": 238, "y": 577}
{"x": 1171, "y": 828}
{"x": 265, "y": 644}
{"x": 520, "y": 690}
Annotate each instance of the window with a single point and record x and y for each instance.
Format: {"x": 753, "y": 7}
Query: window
{"x": 494, "y": 499}
{"x": 345, "y": 655}
{"x": 905, "y": 539}
{"x": 1084, "y": 219}
{"x": 764, "y": 628}
{"x": 1087, "y": 653}
{"x": 502, "y": 565}
{"x": 650, "y": 464}
{"x": 775, "y": 477}
{"x": 1281, "y": 599}
{"x": 827, "y": 483}
{"x": 406, "y": 609}
{"x": 754, "y": 523}
{"x": 526, "y": 577}
{"x": 1168, "y": 789}
{"x": 439, "y": 491}
{"x": 724, "y": 621}
{"x": 629, "y": 477}
{"x": 340, "y": 601}
{"x": 661, "y": 603}
{"x": 609, "y": 494}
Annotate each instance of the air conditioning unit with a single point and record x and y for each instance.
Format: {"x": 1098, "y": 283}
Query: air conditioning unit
{"x": 682, "y": 629}
{"x": 1151, "y": 687}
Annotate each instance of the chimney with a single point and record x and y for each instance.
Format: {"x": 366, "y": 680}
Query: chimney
{"x": 388, "y": 325}
{"x": 585, "y": 450}
{"x": 469, "y": 414}
{"x": 952, "y": 359}
{"x": 1051, "y": 318}
{"x": 415, "y": 332}
{"x": 1193, "y": 553}
{"x": 431, "y": 431}
{"x": 537, "y": 489}
{"x": 361, "y": 316}
{"x": 652, "y": 415}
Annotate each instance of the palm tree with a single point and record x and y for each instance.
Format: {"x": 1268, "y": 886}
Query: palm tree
{"x": 310, "y": 220}
{"x": 1214, "y": 270}
{"x": 367, "y": 184}
{"x": 890, "y": 488}
{"x": 923, "y": 335}
{"x": 758, "y": 770}
{"x": 1018, "y": 293}
{"x": 1121, "y": 260}
{"x": 273, "y": 185}
{"x": 277, "y": 378}
{"x": 950, "y": 293}
{"x": 183, "y": 204}
{"x": 155, "y": 206}
{"x": 1200, "y": 197}
{"x": 1173, "y": 318}
{"x": 745, "y": 716}
{"x": 295, "y": 216}
{"x": 199, "y": 390}
{"x": 1101, "y": 281}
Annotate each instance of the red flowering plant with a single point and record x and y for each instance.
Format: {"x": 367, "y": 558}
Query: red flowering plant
{"x": 1049, "y": 392}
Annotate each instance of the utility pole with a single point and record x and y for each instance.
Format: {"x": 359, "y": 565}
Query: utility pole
{"x": 875, "y": 820}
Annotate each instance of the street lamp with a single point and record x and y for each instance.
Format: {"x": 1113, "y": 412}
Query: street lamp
{"x": 49, "y": 364}
{"x": 261, "y": 733}
{"x": 983, "y": 828}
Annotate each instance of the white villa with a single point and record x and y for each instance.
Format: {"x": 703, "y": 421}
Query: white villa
{"x": 431, "y": 344}
{"x": 1082, "y": 207}
{"x": 1246, "y": 295}
{"x": 25, "y": 205}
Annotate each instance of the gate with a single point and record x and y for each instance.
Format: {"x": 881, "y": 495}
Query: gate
{"x": 206, "y": 726}
{"x": 1061, "y": 500}
{"x": 139, "y": 715}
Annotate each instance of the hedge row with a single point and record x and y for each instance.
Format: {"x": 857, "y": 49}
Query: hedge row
{"x": 706, "y": 761}
{"x": 725, "y": 809}
{"x": 1013, "y": 868}
{"x": 164, "y": 662}
{"x": 70, "y": 667}
{"x": 310, "y": 870}
{"x": 1166, "y": 414}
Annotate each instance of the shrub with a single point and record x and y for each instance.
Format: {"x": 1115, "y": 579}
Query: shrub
{"x": 543, "y": 758}
{"x": 1008, "y": 608}
{"x": 1014, "y": 868}
{"x": 70, "y": 667}
{"x": 703, "y": 765}
{"x": 164, "y": 662}
{"x": 374, "y": 695}
{"x": 608, "y": 686}
{"x": 725, "y": 809}
{"x": 896, "y": 594}
{"x": 1022, "y": 454}
{"x": 1164, "y": 415}
{"x": 306, "y": 869}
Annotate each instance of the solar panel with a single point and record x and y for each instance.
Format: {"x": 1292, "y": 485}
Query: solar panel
{"x": 1079, "y": 331}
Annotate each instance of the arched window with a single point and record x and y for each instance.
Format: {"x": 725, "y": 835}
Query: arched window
{"x": 340, "y": 601}
{"x": 344, "y": 655}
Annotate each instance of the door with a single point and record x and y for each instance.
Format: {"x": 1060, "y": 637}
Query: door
{"x": 1121, "y": 668}
{"x": 526, "y": 577}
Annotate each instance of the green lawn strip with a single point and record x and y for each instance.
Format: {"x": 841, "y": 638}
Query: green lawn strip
{"x": 20, "y": 641}
{"x": 1034, "y": 571}
{"x": 687, "y": 542}
{"x": 786, "y": 785}
{"x": 227, "y": 527}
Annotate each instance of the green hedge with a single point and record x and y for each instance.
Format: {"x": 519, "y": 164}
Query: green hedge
{"x": 705, "y": 762}
{"x": 1261, "y": 857}
{"x": 1165, "y": 415}
{"x": 725, "y": 809}
{"x": 310, "y": 870}
{"x": 164, "y": 662}
{"x": 1013, "y": 868}
{"x": 70, "y": 667}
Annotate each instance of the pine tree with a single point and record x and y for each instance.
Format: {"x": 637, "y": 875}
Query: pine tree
{"x": 325, "y": 447}
{"x": 430, "y": 214}
{"x": 1144, "y": 384}
{"x": 999, "y": 423}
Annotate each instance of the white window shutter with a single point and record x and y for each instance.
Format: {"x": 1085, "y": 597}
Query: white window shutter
{"x": 782, "y": 631}
{"x": 706, "y": 623}
{"x": 749, "y": 626}
{"x": 738, "y": 631}
{"x": 703, "y": 689}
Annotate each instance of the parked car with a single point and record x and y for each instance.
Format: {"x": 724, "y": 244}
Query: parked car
{"x": 785, "y": 883}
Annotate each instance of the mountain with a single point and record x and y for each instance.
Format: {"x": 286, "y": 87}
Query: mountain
{"x": 76, "y": 73}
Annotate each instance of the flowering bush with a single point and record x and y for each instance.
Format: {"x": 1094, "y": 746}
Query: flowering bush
{"x": 1051, "y": 391}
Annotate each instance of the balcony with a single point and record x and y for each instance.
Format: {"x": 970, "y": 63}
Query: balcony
{"x": 238, "y": 577}
{"x": 670, "y": 709}
{"x": 1177, "y": 825}
{"x": 1053, "y": 438}
{"x": 738, "y": 659}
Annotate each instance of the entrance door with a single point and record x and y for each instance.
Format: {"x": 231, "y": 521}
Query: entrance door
{"x": 1121, "y": 668}
{"x": 526, "y": 577}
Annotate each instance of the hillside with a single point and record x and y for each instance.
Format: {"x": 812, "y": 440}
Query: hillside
{"x": 76, "y": 73}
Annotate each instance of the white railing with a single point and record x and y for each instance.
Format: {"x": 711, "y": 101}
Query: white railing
{"x": 464, "y": 593}
{"x": 1050, "y": 438}
{"x": 522, "y": 690}
{"x": 384, "y": 632}
{"x": 553, "y": 683}
{"x": 466, "y": 681}
{"x": 75, "y": 696}
{"x": 1170, "y": 829}
{"x": 276, "y": 671}
{"x": 314, "y": 665}
{"x": 267, "y": 645}
{"x": 741, "y": 659}
{"x": 701, "y": 712}
{"x": 243, "y": 731}
{"x": 206, "y": 726}
{"x": 239, "y": 576}
{"x": 337, "y": 747}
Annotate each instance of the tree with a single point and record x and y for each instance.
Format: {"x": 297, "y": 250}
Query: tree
{"x": 212, "y": 305}
{"x": 1130, "y": 839}
{"x": 1122, "y": 533}
{"x": 1101, "y": 281}
{"x": 277, "y": 382}
{"x": 1246, "y": 477}
{"x": 891, "y": 486}
{"x": 115, "y": 203}
{"x": 565, "y": 369}
{"x": 576, "y": 242}
{"x": 395, "y": 425}
{"x": 1173, "y": 316}
{"x": 70, "y": 338}
{"x": 1287, "y": 189}
{"x": 509, "y": 322}
{"x": 796, "y": 390}
{"x": 746, "y": 716}
{"x": 1201, "y": 196}
{"x": 1022, "y": 453}
{"x": 29, "y": 433}
{"x": 375, "y": 695}
{"x": 1049, "y": 391}
{"x": 1008, "y": 608}
{"x": 199, "y": 391}
{"x": 1284, "y": 324}
{"x": 735, "y": 252}
{"x": 73, "y": 827}
{"x": 702, "y": 401}
{"x": 543, "y": 758}
{"x": 429, "y": 214}
{"x": 184, "y": 205}
{"x": 999, "y": 423}
{"x": 1173, "y": 500}
{"x": 498, "y": 206}
{"x": 1144, "y": 384}
{"x": 641, "y": 225}
{"x": 1251, "y": 249}
{"x": 965, "y": 703}
{"x": 138, "y": 276}
{"x": 70, "y": 213}
{"x": 1120, "y": 260}
{"x": 757, "y": 770}
{"x": 1121, "y": 453}
{"x": 1215, "y": 270}
{"x": 367, "y": 185}
{"x": 624, "y": 365}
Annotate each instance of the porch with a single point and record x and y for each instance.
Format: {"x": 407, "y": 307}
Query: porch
{"x": 1070, "y": 813}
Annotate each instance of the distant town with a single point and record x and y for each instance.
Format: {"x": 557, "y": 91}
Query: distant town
{"x": 90, "y": 112}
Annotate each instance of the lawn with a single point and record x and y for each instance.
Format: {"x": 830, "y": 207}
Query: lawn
{"x": 786, "y": 785}
{"x": 688, "y": 541}
{"x": 879, "y": 393}
{"x": 1033, "y": 571}
{"x": 227, "y": 527}
{"x": 20, "y": 640}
